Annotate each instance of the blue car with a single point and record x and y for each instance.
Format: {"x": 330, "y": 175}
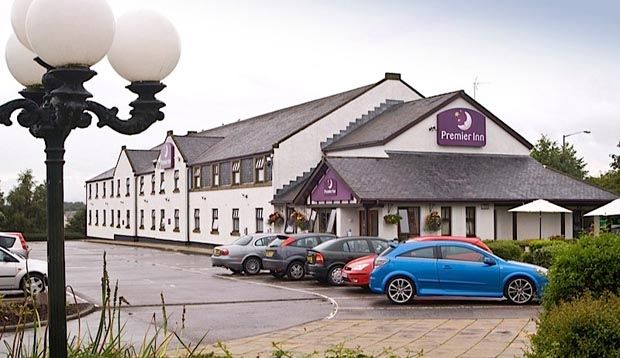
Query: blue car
{"x": 452, "y": 268}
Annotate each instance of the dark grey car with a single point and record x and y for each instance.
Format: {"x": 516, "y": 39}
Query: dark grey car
{"x": 288, "y": 256}
{"x": 245, "y": 254}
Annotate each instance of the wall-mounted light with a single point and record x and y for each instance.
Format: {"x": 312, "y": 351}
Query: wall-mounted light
{"x": 146, "y": 201}
{"x": 167, "y": 199}
{"x": 244, "y": 195}
{"x": 204, "y": 198}
{"x": 432, "y": 129}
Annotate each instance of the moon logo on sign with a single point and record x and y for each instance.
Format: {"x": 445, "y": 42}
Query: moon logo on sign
{"x": 330, "y": 184}
{"x": 463, "y": 123}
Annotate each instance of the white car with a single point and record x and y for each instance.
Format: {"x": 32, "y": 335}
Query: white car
{"x": 18, "y": 274}
{"x": 15, "y": 242}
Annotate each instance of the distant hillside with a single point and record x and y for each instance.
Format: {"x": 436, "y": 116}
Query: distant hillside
{"x": 74, "y": 206}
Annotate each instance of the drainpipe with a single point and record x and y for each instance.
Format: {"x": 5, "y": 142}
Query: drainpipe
{"x": 135, "y": 208}
{"x": 187, "y": 182}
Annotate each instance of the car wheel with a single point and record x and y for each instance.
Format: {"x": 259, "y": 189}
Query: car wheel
{"x": 251, "y": 265}
{"x": 519, "y": 291}
{"x": 334, "y": 276}
{"x": 33, "y": 284}
{"x": 296, "y": 271}
{"x": 400, "y": 290}
{"x": 277, "y": 274}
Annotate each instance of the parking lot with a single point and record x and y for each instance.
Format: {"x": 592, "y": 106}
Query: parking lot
{"x": 231, "y": 307}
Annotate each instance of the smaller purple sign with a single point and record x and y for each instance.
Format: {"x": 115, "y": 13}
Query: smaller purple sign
{"x": 462, "y": 127}
{"x": 330, "y": 188}
{"x": 166, "y": 156}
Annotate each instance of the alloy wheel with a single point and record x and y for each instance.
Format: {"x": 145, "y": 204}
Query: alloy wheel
{"x": 335, "y": 276}
{"x": 520, "y": 291}
{"x": 251, "y": 266}
{"x": 296, "y": 271}
{"x": 400, "y": 290}
{"x": 34, "y": 285}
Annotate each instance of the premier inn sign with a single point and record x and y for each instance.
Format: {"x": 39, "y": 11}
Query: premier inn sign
{"x": 462, "y": 127}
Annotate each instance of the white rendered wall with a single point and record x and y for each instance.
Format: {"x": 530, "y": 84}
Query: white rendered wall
{"x": 303, "y": 150}
{"x": 225, "y": 200}
{"x": 419, "y": 139}
{"x": 347, "y": 218}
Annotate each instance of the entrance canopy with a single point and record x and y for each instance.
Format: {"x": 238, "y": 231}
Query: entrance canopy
{"x": 540, "y": 206}
{"x": 609, "y": 209}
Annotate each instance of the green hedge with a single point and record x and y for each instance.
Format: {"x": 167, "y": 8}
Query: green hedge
{"x": 506, "y": 249}
{"x": 584, "y": 328}
{"x": 591, "y": 264}
{"x": 32, "y": 237}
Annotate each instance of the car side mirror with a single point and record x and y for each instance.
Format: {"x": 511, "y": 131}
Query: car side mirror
{"x": 489, "y": 261}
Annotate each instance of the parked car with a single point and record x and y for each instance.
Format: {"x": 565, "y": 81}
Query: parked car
{"x": 288, "y": 256}
{"x": 15, "y": 242}
{"x": 325, "y": 262}
{"x": 20, "y": 274}
{"x": 453, "y": 268}
{"x": 246, "y": 254}
{"x": 357, "y": 272}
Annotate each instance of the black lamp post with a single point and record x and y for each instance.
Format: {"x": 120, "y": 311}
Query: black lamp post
{"x": 564, "y": 136}
{"x": 143, "y": 47}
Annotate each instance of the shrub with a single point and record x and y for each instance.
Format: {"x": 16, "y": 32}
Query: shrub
{"x": 506, "y": 249}
{"x": 544, "y": 256}
{"x": 591, "y": 264}
{"x": 584, "y": 328}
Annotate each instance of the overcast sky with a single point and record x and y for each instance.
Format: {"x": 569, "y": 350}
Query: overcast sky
{"x": 544, "y": 67}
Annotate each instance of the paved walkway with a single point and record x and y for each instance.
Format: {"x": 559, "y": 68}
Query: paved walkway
{"x": 401, "y": 338}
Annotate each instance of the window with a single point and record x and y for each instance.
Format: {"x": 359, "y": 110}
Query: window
{"x": 104, "y": 191}
{"x": 235, "y": 221}
{"x": 96, "y": 190}
{"x": 103, "y": 218}
{"x": 118, "y": 188}
{"x": 259, "y": 219}
{"x": 236, "y": 171}
{"x": 176, "y": 181}
{"x": 260, "y": 169}
{"x": 127, "y": 183}
{"x": 423, "y": 253}
{"x": 225, "y": 173}
{"x": 216, "y": 174}
{"x": 446, "y": 221}
{"x": 142, "y": 185}
{"x": 197, "y": 174}
{"x": 356, "y": 246}
{"x": 152, "y": 184}
{"x": 90, "y": 191}
{"x": 176, "y": 220}
{"x": 153, "y": 219}
{"x": 379, "y": 245}
{"x": 327, "y": 220}
{"x": 460, "y": 253}
{"x": 162, "y": 183}
{"x": 141, "y": 219}
{"x": 118, "y": 218}
{"x": 96, "y": 217}
{"x": 409, "y": 225}
{"x": 215, "y": 225}
{"x": 247, "y": 171}
{"x": 127, "y": 215}
{"x": 111, "y": 218}
{"x": 90, "y": 217}
{"x": 470, "y": 221}
{"x": 196, "y": 220}
{"x": 162, "y": 218}
{"x": 111, "y": 188}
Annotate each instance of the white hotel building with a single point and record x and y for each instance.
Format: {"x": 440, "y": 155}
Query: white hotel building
{"x": 344, "y": 161}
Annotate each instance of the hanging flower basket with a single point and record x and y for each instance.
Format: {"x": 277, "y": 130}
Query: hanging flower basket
{"x": 432, "y": 222}
{"x": 300, "y": 220}
{"x": 275, "y": 218}
{"x": 392, "y": 218}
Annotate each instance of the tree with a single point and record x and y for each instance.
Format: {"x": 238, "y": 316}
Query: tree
{"x": 78, "y": 222}
{"x": 2, "y": 209}
{"x": 565, "y": 160}
{"x": 615, "y": 160}
{"x": 611, "y": 179}
{"x": 26, "y": 205}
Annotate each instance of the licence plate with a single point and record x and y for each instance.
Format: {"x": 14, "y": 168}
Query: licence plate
{"x": 310, "y": 259}
{"x": 345, "y": 275}
{"x": 269, "y": 253}
{"x": 216, "y": 252}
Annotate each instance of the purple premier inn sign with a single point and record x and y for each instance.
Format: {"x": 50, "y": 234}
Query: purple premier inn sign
{"x": 461, "y": 127}
{"x": 331, "y": 188}
{"x": 166, "y": 156}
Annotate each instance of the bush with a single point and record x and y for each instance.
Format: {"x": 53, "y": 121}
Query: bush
{"x": 584, "y": 328}
{"x": 507, "y": 250}
{"x": 591, "y": 264}
{"x": 544, "y": 256}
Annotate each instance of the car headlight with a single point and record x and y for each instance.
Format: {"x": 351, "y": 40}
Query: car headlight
{"x": 359, "y": 267}
{"x": 542, "y": 271}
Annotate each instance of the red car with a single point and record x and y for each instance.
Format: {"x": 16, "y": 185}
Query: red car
{"x": 357, "y": 272}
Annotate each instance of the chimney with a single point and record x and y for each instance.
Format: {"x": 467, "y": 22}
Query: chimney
{"x": 124, "y": 147}
{"x": 392, "y": 76}
{"x": 169, "y": 133}
{"x": 191, "y": 132}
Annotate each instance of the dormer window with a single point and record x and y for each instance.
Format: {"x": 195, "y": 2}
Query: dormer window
{"x": 152, "y": 184}
{"x": 162, "y": 183}
{"x": 260, "y": 169}
{"x": 96, "y": 190}
{"x": 197, "y": 174}
{"x": 112, "y": 188}
{"x": 104, "y": 191}
{"x": 236, "y": 171}
{"x": 142, "y": 185}
{"x": 216, "y": 174}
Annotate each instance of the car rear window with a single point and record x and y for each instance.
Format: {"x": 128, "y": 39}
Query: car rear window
{"x": 243, "y": 240}
{"x": 277, "y": 242}
{"x": 7, "y": 241}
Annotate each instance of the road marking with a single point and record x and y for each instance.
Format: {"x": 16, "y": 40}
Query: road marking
{"x": 414, "y": 307}
{"x": 329, "y": 299}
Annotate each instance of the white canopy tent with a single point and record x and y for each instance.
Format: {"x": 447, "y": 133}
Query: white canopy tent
{"x": 609, "y": 209}
{"x": 539, "y": 206}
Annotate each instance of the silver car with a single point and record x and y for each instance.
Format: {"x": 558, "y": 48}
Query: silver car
{"x": 246, "y": 254}
{"x": 18, "y": 274}
{"x": 14, "y": 242}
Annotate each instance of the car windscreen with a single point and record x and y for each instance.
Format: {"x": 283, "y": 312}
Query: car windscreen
{"x": 7, "y": 241}
{"x": 243, "y": 240}
{"x": 387, "y": 251}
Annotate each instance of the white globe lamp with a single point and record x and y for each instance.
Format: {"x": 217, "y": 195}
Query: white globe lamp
{"x": 19, "y": 10}
{"x": 22, "y": 66}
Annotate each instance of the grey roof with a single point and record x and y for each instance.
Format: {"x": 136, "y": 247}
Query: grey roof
{"x": 108, "y": 174}
{"x": 192, "y": 146}
{"x": 259, "y": 134}
{"x": 417, "y": 176}
{"x": 401, "y": 117}
{"x": 142, "y": 160}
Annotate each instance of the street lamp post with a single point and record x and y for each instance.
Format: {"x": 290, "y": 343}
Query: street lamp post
{"x": 54, "y": 45}
{"x": 564, "y": 136}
